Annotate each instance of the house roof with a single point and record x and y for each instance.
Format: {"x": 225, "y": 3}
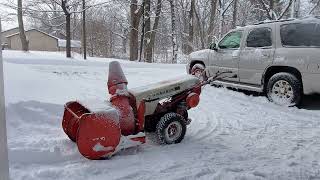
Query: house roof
{"x": 33, "y": 30}
{"x": 10, "y": 29}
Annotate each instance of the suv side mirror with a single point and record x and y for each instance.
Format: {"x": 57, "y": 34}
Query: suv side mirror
{"x": 213, "y": 46}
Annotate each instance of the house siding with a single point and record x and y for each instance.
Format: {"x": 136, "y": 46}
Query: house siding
{"x": 4, "y": 34}
{"x": 38, "y": 41}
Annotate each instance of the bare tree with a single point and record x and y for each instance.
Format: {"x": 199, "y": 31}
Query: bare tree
{"x": 317, "y": 4}
{"x": 147, "y": 31}
{"x": 67, "y": 14}
{"x": 23, "y": 38}
{"x": 56, "y": 14}
{"x": 213, "y": 4}
{"x": 174, "y": 32}
{"x": 224, "y": 6}
{"x": 135, "y": 16}
{"x": 234, "y": 13}
{"x": 271, "y": 12}
{"x": 205, "y": 21}
{"x": 200, "y": 29}
{"x": 84, "y": 35}
{"x": 191, "y": 32}
{"x": 151, "y": 33}
{"x": 115, "y": 29}
{"x": 142, "y": 29}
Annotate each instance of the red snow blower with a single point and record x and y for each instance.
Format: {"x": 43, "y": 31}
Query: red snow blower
{"x": 101, "y": 129}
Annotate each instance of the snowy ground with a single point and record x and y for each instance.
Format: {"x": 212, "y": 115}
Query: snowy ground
{"x": 233, "y": 136}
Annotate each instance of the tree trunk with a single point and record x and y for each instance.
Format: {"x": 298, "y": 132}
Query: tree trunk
{"x": 212, "y": 19}
{"x": 135, "y": 16}
{"x": 200, "y": 29}
{"x": 235, "y": 13}
{"x": 68, "y": 28}
{"x": 147, "y": 30}
{"x": 23, "y": 38}
{"x": 191, "y": 19}
{"x": 154, "y": 31}
{"x": 174, "y": 32}
{"x": 91, "y": 45}
{"x": 295, "y": 8}
{"x": 124, "y": 41}
{"x": 142, "y": 30}
{"x": 84, "y": 35}
{"x": 221, "y": 18}
{"x": 271, "y": 5}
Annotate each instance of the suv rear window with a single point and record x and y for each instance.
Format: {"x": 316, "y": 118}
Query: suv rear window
{"x": 304, "y": 34}
{"x": 260, "y": 37}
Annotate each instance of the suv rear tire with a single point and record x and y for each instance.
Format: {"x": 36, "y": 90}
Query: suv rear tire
{"x": 284, "y": 89}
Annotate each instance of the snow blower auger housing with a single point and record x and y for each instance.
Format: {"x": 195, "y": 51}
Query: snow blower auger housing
{"x": 102, "y": 129}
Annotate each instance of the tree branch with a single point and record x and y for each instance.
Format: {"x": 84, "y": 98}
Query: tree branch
{"x": 318, "y": 3}
{"x": 285, "y": 10}
{"x": 264, "y": 6}
{"x": 225, "y": 10}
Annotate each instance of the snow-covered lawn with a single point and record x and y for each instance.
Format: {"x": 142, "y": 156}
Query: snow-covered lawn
{"x": 232, "y": 135}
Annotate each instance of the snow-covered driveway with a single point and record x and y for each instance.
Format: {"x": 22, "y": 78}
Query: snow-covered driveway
{"x": 232, "y": 136}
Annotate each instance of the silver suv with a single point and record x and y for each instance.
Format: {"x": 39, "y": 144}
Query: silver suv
{"x": 280, "y": 58}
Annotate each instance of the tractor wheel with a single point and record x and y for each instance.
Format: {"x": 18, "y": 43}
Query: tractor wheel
{"x": 171, "y": 129}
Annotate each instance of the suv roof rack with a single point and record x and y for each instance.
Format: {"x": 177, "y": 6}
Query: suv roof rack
{"x": 316, "y": 16}
{"x": 273, "y": 21}
{"x": 284, "y": 20}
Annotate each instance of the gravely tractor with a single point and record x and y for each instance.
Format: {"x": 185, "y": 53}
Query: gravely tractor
{"x": 102, "y": 129}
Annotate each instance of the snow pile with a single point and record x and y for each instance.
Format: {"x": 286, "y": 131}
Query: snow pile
{"x": 232, "y": 135}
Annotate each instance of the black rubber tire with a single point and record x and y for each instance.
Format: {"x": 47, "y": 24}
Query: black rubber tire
{"x": 164, "y": 123}
{"x": 198, "y": 67}
{"x": 295, "y": 83}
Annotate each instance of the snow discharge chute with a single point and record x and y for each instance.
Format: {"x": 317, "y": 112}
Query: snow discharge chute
{"x": 97, "y": 131}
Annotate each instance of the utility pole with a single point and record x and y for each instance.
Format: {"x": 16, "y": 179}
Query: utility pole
{"x": 4, "y": 162}
{"x": 84, "y": 35}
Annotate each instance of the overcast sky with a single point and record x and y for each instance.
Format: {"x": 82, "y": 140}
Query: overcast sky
{"x": 9, "y": 19}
